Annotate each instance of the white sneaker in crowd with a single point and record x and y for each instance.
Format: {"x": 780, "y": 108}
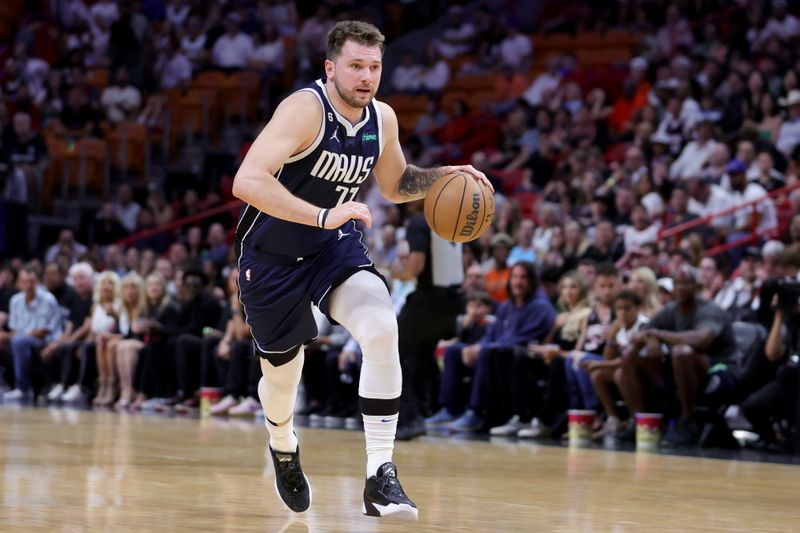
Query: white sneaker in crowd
{"x": 246, "y": 407}
{"x": 55, "y": 393}
{"x": 17, "y": 395}
{"x": 509, "y": 429}
{"x": 73, "y": 394}
{"x": 534, "y": 431}
{"x": 222, "y": 407}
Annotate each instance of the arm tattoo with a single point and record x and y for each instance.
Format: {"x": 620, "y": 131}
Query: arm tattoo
{"x": 415, "y": 181}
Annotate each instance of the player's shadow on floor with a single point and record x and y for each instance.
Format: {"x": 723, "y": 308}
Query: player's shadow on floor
{"x": 294, "y": 525}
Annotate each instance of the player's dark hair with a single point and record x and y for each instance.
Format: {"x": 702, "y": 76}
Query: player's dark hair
{"x": 628, "y": 295}
{"x": 353, "y": 30}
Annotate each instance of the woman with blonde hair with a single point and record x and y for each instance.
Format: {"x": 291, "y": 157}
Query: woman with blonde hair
{"x": 573, "y": 308}
{"x": 102, "y": 323}
{"x": 131, "y": 330}
{"x": 152, "y": 370}
{"x": 643, "y": 282}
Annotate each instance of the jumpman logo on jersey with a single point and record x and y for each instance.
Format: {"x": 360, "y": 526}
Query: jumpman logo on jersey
{"x": 342, "y": 235}
{"x": 334, "y": 136}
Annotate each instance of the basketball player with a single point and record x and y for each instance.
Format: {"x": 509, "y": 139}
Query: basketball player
{"x": 299, "y": 244}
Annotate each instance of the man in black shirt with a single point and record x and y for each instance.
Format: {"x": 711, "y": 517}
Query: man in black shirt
{"x": 696, "y": 337}
{"x": 75, "y": 302}
{"x": 200, "y": 313}
{"x": 78, "y": 118}
{"x": 428, "y": 316}
{"x": 605, "y": 248}
{"x": 22, "y": 145}
{"x": 67, "y": 297}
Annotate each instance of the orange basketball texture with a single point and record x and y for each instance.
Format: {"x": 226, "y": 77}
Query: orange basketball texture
{"x": 459, "y": 208}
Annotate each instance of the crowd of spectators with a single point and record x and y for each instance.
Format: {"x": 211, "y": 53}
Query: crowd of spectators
{"x": 599, "y": 251}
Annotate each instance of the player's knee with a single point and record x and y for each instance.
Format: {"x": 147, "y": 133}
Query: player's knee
{"x": 379, "y": 333}
{"x": 280, "y": 359}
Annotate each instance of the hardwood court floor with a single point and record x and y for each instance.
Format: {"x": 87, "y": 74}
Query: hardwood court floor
{"x": 67, "y": 470}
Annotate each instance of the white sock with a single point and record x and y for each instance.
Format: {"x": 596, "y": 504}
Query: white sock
{"x": 379, "y": 433}
{"x": 277, "y": 390}
{"x": 363, "y": 306}
{"x": 379, "y": 396}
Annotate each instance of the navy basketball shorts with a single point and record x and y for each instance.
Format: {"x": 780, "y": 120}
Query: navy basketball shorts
{"x": 277, "y": 292}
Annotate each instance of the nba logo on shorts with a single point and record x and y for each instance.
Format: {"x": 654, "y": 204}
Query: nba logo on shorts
{"x": 247, "y": 274}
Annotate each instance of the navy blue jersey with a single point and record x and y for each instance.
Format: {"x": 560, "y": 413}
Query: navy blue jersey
{"x": 327, "y": 173}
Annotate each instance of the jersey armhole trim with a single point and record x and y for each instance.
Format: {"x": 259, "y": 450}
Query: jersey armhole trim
{"x": 379, "y": 117}
{"x": 313, "y": 146}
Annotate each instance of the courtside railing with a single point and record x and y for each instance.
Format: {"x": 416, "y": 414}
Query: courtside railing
{"x": 229, "y": 207}
{"x": 753, "y": 236}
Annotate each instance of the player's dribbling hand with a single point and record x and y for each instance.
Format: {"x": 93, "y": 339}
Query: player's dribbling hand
{"x": 348, "y": 211}
{"x": 469, "y": 169}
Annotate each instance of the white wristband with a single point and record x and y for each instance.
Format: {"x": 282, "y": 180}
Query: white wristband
{"x": 321, "y": 216}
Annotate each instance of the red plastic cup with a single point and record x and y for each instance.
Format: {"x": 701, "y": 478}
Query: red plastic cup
{"x": 648, "y": 430}
{"x": 581, "y": 423}
{"x": 208, "y": 397}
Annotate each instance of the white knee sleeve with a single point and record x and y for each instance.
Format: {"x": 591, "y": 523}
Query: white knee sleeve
{"x": 363, "y": 306}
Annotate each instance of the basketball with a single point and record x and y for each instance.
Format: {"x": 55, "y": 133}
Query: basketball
{"x": 459, "y": 208}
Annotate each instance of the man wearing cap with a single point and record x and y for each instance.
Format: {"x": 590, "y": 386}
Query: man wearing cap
{"x": 685, "y": 343}
{"x": 232, "y": 49}
{"x": 695, "y": 154}
{"x": 706, "y": 198}
{"x": 742, "y": 192}
{"x": 789, "y": 134}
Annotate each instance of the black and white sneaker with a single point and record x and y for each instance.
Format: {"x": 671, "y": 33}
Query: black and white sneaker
{"x": 383, "y": 496}
{"x": 291, "y": 483}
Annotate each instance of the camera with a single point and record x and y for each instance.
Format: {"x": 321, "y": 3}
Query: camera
{"x": 789, "y": 296}
{"x": 788, "y": 291}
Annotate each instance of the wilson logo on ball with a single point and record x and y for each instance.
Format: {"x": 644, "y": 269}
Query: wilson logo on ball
{"x": 459, "y": 207}
{"x": 472, "y": 217}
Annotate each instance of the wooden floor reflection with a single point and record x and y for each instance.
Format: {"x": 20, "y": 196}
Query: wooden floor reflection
{"x": 67, "y": 470}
